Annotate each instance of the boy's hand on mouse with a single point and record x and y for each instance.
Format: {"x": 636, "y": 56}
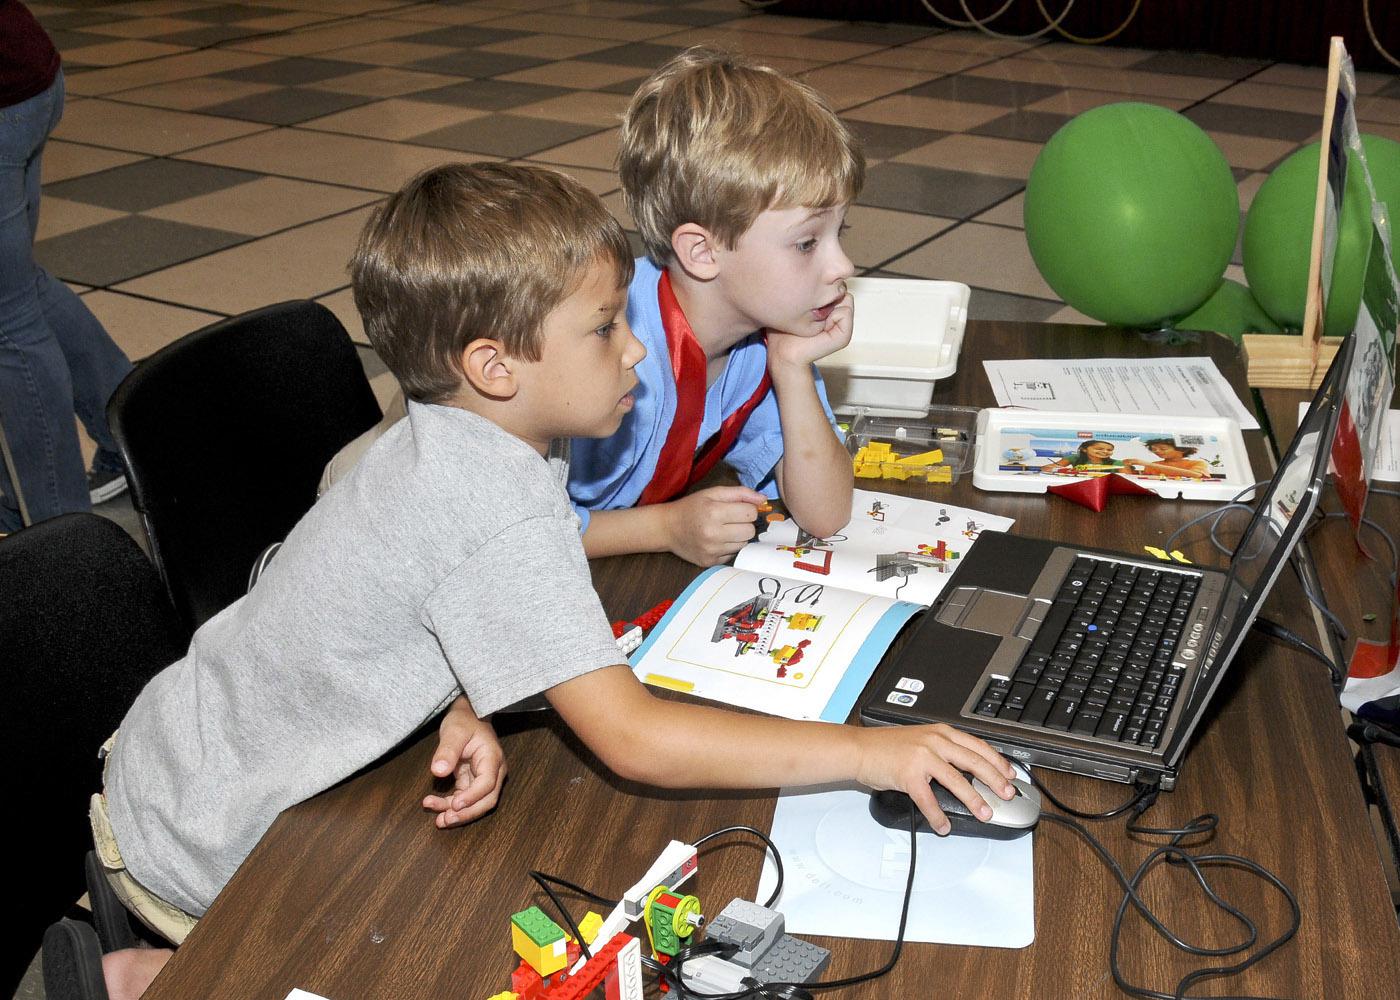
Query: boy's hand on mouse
{"x": 708, "y": 526}
{"x": 907, "y": 758}
{"x": 804, "y": 349}
{"x": 467, "y": 749}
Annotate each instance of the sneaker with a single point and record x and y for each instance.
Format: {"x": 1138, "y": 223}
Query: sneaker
{"x": 103, "y": 486}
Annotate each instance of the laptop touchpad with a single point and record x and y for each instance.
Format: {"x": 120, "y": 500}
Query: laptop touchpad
{"x": 990, "y": 611}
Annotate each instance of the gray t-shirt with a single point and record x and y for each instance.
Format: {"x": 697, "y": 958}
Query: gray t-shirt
{"x": 448, "y": 559}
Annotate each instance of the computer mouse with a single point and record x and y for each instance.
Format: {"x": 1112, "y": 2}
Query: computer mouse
{"x": 1011, "y": 818}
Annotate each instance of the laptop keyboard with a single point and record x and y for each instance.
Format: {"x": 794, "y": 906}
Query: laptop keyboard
{"x": 1101, "y": 663}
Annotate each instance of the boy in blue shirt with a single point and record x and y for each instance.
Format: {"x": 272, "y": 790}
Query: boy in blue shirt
{"x": 739, "y": 179}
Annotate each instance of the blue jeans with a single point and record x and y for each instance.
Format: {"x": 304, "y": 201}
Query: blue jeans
{"x": 55, "y": 357}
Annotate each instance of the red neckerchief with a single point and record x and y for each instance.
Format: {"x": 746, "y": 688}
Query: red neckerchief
{"x": 680, "y": 465}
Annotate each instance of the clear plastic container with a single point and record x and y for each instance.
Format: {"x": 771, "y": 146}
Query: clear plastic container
{"x": 934, "y": 446}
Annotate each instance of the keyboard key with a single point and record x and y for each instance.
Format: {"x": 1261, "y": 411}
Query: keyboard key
{"x": 1111, "y": 725}
{"x": 1062, "y": 714}
{"x": 1038, "y": 707}
{"x": 1019, "y": 694}
{"x": 1085, "y": 722}
{"x": 988, "y": 708}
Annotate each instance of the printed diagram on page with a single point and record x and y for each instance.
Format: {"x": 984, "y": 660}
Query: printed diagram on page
{"x": 768, "y": 628}
{"x": 896, "y": 547}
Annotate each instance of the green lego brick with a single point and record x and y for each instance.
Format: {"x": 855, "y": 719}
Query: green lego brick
{"x": 536, "y": 926}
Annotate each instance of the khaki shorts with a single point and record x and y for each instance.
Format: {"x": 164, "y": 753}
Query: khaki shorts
{"x": 170, "y": 922}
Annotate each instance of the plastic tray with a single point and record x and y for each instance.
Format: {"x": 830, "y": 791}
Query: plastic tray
{"x": 1014, "y": 447}
{"x": 907, "y": 335}
{"x": 881, "y": 446}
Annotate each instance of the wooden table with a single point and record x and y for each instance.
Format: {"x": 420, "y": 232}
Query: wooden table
{"x": 1354, "y": 586}
{"x": 354, "y": 894}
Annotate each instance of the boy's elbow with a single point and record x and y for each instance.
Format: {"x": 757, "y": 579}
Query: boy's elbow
{"x": 829, "y": 523}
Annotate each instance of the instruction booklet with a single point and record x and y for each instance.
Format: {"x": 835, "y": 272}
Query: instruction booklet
{"x": 798, "y": 624}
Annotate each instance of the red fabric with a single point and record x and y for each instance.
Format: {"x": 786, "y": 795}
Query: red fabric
{"x": 1094, "y": 493}
{"x": 1347, "y": 476}
{"x": 28, "y": 60}
{"x": 680, "y": 465}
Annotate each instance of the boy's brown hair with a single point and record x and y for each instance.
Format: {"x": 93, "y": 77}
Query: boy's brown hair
{"x": 715, "y": 139}
{"x": 471, "y": 250}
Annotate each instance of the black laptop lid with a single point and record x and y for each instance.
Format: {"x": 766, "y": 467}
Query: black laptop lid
{"x": 1280, "y": 518}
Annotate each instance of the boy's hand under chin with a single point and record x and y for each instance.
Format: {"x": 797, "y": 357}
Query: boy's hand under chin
{"x": 794, "y": 349}
{"x": 469, "y": 752}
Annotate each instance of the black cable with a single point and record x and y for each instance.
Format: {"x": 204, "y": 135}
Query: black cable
{"x": 1366, "y": 731}
{"x": 1143, "y": 792}
{"x": 1276, "y": 631}
{"x": 1173, "y": 854}
{"x": 772, "y": 849}
{"x": 543, "y": 880}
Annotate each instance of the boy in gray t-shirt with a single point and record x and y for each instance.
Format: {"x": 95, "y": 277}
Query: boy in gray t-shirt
{"x": 448, "y": 562}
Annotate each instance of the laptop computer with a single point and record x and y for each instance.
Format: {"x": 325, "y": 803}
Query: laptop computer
{"x": 1098, "y": 662}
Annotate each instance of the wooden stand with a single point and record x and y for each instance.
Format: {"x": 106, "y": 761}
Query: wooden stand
{"x": 1285, "y": 362}
{"x": 1288, "y": 362}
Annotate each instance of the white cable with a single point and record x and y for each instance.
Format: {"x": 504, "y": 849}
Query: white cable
{"x": 982, "y": 25}
{"x": 1370, "y": 30}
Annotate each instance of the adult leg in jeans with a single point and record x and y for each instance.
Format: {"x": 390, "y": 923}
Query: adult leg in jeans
{"x": 55, "y": 357}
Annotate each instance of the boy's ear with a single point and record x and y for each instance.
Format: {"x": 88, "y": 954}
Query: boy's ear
{"x": 489, "y": 369}
{"x": 695, "y": 249}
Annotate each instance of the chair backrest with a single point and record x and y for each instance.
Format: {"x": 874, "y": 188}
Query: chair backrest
{"x": 225, "y": 433}
{"x": 84, "y": 623}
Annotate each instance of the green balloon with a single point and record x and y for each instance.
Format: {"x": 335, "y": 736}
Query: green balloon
{"x": 1231, "y": 311}
{"x": 1131, "y": 214}
{"x": 1278, "y": 243}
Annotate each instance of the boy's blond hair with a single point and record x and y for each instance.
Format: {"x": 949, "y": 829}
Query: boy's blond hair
{"x": 715, "y": 138}
{"x": 471, "y": 250}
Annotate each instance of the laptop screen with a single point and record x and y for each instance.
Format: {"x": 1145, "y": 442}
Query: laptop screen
{"x": 1280, "y": 517}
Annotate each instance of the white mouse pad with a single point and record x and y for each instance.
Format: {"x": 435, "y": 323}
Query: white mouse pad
{"x": 845, "y": 876}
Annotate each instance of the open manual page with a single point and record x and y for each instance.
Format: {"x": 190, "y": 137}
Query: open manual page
{"x": 798, "y": 624}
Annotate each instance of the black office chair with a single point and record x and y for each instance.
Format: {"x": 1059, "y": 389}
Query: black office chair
{"x": 84, "y": 623}
{"x": 225, "y": 433}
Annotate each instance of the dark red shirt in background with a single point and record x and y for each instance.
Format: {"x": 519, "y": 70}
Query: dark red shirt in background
{"x": 28, "y": 60}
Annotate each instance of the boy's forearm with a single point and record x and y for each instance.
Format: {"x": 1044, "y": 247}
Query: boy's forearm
{"x": 722, "y": 748}
{"x": 622, "y": 532}
{"x": 814, "y": 475}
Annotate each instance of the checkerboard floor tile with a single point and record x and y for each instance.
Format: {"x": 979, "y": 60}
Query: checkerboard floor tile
{"x": 217, "y": 156}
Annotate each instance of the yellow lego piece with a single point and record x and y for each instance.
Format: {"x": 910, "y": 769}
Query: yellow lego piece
{"x": 589, "y": 926}
{"x": 504, "y": 995}
{"x": 1176, "y": 554}
{"x": 940, "y": 474}
{"x": 868, "y": 460}
{"x": 934, "y": 457}
{"x": 1161, "y": 554}
{"x": 801, "y": 621}
{"x": 539, "y": 941}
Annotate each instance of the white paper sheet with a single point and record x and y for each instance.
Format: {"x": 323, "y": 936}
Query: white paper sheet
{"x": 303, "y": 995}
{"x": 936, "y": 535}
{"x": 845, "y": 876}
{"x": 1387, "y": 467}
{"x": 1168, "y": 386}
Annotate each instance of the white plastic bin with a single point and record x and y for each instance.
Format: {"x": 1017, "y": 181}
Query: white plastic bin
{"x": 907, "y": 335}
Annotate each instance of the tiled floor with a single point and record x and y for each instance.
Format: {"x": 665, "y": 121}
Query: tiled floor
{"x": 216, "y": 157}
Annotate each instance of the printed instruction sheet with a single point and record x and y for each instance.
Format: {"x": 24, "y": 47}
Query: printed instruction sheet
{"x": 1167, "y": 386}
{"x": 1387, "y": 465}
